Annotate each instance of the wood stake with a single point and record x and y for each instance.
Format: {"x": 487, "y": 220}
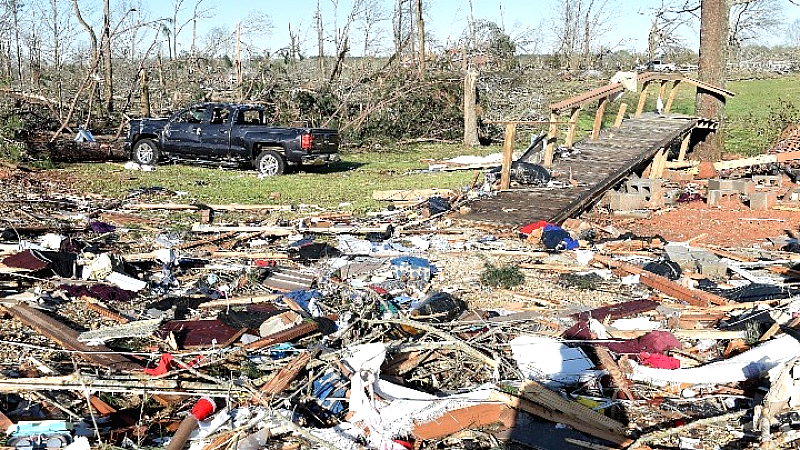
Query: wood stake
{"x": 598, "y": 118}
{"x": 642, "y": 99}
{"x": 552, "y": 135}
{"x": 620, "y": 115}
{"x": 508, "y": 150}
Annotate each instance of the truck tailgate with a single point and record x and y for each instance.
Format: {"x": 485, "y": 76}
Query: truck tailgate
{"x": 324, "y": 141}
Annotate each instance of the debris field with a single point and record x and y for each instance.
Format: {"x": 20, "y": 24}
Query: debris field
{"x": 667, "y": 323}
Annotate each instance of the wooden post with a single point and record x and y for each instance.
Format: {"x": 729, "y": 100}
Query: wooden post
{"x": 508, "y": 151}
{"x": 684, "y": 146}
{"x": 658, "y": 164}
{"x": 642, "y": 99}
{"x": 573, "y": 125}
{"x": 470, "y": 111}
{"x": 663, "y": 90}
{"x": 620, "y": 115}
{"x": 552, "y": 134}
{"x": 671, "y": 98}
{"x": 598, "y": 118}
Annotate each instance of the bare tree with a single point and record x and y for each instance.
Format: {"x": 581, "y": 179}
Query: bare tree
{"x": 579, "y": 25}
{"x": 421, "y": 38}
{"x": 14, "y": 8}
{"x": 714, "y": 16}
{"x": 320, "y": 38}
{"x": 750, "y": 19}
{"x": 178, "y": 23}
{"x": 368, "y": 22}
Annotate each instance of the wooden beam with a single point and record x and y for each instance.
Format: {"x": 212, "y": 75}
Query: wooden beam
{"x": 672, "y": 94}
{"x": 573, "y": 125}
{"x": 508, "y": 151}
{"x": 663, "y": 90}
{"x": 594, "y": 94}
{"x": 620, "y": 115}
{"x": 642, "y": 98}
{"x": 552, "y": 135}
{"x": 598, "y": 118}
{"x": 694, "y": 297}
{"x": 684, "y": 146}
{"x": 656, "y": 167}
{"x": 542, "y": 402}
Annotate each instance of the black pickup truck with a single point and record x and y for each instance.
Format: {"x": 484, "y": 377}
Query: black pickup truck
{"x": 229, "y": 134}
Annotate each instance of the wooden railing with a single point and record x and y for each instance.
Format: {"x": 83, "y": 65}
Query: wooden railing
{"x": 601, "y": 95}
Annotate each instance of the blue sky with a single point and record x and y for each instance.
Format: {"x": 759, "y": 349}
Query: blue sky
{"x": 445, "y": 20}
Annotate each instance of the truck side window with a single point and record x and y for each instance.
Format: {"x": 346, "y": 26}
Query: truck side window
{"x": 193, "y": 115}
{"x": 220, "y": 115}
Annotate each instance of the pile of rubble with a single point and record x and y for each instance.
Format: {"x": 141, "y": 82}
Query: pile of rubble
{"x": 258, "y": 327}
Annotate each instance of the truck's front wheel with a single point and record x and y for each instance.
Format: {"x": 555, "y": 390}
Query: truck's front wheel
{"x": 270, "y": 163}
{"x": 146, "y": 152}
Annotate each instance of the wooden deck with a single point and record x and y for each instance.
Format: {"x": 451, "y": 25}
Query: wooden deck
{"x": 596, "y": 166}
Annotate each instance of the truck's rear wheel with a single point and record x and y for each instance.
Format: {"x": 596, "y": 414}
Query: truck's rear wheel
{"x": 146, "y": 152}
{"x": 270, "y": 163}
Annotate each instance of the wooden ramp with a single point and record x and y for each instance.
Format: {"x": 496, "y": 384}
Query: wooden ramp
{"x": 596, "y": 166}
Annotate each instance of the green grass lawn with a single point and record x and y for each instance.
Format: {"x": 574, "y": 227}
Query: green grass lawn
{"x": 754, "y": 117}
{"x": 352, "y": 180}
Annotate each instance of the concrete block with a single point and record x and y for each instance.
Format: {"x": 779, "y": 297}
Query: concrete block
{"x": 644, "y": 186}
{"x": 718, "y": 184}
{"x": 620, "y": 201}
{"x": 712, "y": 269}
{"x": 680, "y": 255}
{"x": 722, "y": 197}
{"x": 745, "y": 187}
{"x": 768, "y": 180}
{"x": 763, "y": 200}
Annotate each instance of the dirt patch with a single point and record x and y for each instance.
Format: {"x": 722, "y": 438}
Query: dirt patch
{"x": 737, "y": 226}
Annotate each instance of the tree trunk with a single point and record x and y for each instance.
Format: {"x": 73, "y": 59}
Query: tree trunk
{"x": 109, "y": 69}
{"x": 470, "y": 110}
{"x": 145, "y": 93}
{"x": 421, "y": 34}
{"x": 320, "y": 40}
{"x": 713, "y": 61}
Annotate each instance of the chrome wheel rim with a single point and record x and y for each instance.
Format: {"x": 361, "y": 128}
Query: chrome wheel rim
{"x": 268, "y": 166}
{"x": 144, "y": 153}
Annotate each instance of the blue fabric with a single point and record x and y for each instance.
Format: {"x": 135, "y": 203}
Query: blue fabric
{"x": 556, "y": 238}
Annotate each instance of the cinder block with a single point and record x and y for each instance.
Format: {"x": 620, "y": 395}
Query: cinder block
{"x": 718, "y": 184}
{"x": 763, "y": 200}
{"x": 721, "y": 197}
{"x": 620, "y": 201}
{"x": 768, "y": 180}
{"x": 745, "y": 187}
{"x": 712, "y": 269}
{"x": 680, "y": 255}
{"x": 643, "y": 186}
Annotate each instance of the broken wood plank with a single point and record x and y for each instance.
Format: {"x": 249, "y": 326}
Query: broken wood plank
{"x": 239, "y": 301}
{"x": 663, "y": 284}
{"x": 267, "y": 230}
{"x": 68, "y": 339}
{"x": 541, "y": 402}
{"x": 467, "y": 418}
{"x": 227, "y": 207}
{"x": 412, "y": 195}
{"x": 286, "y": 375}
